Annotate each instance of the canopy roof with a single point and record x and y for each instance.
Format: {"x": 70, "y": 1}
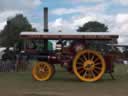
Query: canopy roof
{"x": 72, "y": 36}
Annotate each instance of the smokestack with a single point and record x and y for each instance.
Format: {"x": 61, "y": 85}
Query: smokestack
{"x": 46, "y": 19}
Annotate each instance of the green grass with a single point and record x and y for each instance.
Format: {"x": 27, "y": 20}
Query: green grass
{"x": 64, "y": 84}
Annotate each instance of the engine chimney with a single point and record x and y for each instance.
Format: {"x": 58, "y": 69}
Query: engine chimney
{"x": 46, "y": 27}
{"x": 46, "y": 19}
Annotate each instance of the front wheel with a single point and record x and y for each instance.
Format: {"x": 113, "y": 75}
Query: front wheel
{"x": 89, "y": 65}
{"x": 42, "y": 71}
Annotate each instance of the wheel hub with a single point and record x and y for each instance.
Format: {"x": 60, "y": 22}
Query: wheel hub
{"x": 88, "y": 65}
{"x": 42, "y": 70}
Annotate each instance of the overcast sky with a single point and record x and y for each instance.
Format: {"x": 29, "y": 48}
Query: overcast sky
{"x": 67, "y": 15}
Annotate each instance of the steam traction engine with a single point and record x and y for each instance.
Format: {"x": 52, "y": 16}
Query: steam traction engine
{"x": 87, "y": 55}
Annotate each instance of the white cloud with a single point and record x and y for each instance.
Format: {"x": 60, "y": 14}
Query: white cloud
{"x": 121, "y": 27}
{"x": 121, "y": 2}
{"x": 38, "y": 26}
{"x": 121, "y": 23}
{"x": 2, "y": 24}
{"x": 99, "y": 8}
{"x": 30, "y": 3}
{"x": 77, "y": 1}
{"x": 121, "y": 18}
{"x": 61, "y": 11}
{"x": 18, "y": 4}
{"x": 61, "y": 24}
{"x": 79, "y": 21}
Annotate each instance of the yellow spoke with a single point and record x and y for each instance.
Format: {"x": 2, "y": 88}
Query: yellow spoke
{"x": 90, "y": 74}
{"x": 82, "y": 70}
{"x": 98, "y": 68}
{"x": 46, "y": 68}
{"x": 79, "y": 63}
{"x": 80, "y": 67}
{"x": 98, "y": 64}
{"x": 88, "y": 55}
{"x": 96, "y": 59}
{"x": 92, "y": 57}
{"x": 85, "y": 73}
{"x": 81, "y": 59}
{"x": 42, "y": 66}
{"x": 96, "y": 71}
{"x": 93, "y": 75}
{"x": 85, "y": 58}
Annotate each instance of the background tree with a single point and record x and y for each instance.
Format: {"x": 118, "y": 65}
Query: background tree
{"x": 93, "y": 26}
{"x": 10, "y": 34}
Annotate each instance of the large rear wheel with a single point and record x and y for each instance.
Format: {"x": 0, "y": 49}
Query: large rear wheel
{"x": 89, "y": 65}
{"x": 42, "y": 71}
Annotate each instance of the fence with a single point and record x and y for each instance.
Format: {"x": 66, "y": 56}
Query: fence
{"x": 12, "y": 66}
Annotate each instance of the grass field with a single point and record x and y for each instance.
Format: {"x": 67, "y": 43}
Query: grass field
{"x": 64, "y": 84}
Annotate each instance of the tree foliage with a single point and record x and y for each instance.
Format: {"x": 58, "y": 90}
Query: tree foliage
{"x": 15, "y": 25}
{"x": 93, "y": 26}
